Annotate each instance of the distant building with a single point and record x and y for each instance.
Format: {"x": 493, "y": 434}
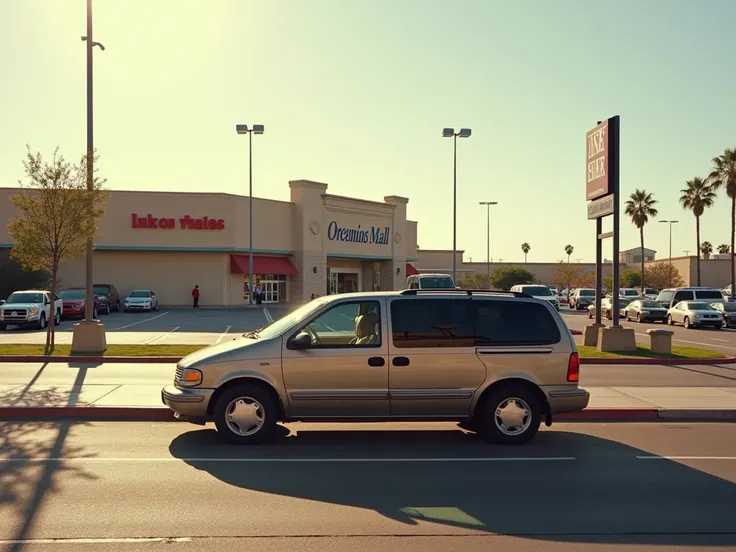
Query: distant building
{"x": 633, "y": 256}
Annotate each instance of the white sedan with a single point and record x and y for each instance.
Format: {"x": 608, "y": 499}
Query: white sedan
{"x": 141, "y": 300}
{"x": 694, "y": 314}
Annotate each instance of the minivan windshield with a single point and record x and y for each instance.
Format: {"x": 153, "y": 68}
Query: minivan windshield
{"x": 537, "y": 291}
{"x": 279, "y": 326}
{"x": 436, "y": 282}
{"x": 587, "y": 293}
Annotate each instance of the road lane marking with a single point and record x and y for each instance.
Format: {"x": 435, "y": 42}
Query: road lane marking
{"x": 140, "y": 321}
{"x": 267, "y": 314}
{"x": 131, "y": 540}
{"x": 160, "y": 337}
{"x": 291, "y": 460}
{"x": 686, "y": 457}
{"x": 223, "y": 334}
{"x": 721, "y": 340}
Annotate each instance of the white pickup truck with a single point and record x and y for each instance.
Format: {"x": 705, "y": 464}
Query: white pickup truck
{"x": 30, "y": 308}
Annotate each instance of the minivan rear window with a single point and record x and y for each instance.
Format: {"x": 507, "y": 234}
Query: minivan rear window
{"x": 513, "y": 323}
{"x": 439, "y": 282}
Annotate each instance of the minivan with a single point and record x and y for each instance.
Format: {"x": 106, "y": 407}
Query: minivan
{"x": 430, "y": 281}
{"x": 668, "y": 298}
{"x": 538, "y": 291}
{"x": 498, "y": 362}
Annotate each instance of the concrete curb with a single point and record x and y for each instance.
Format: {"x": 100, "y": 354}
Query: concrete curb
{"x": 163, "y": 414}
{"x": 174, "y": 360}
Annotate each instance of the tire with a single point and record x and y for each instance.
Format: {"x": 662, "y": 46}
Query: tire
{"x": 156, "y": 309}
{"x": 491, "y": 425}
{"x": 107, "y": 310}
{"x": 117, "y": 306}
{"x": 638, "y": 317}
{"x": 590, "y": 315}
{"x": 686, "y": 323}
{"x": 670, "y": 322}
{"x": 42, "y": 321}
{"x": 94, "y": 313}
{"x": 264, "y": 407}
{"x": 57, "y": 319}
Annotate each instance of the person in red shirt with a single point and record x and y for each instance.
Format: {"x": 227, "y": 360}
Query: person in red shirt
{"x": 195, "y": 295}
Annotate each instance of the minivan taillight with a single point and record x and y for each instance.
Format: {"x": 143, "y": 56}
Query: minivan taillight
{"x": 573, "y": 368}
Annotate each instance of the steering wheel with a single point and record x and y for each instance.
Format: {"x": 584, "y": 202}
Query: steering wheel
{"x": 313, "y": 335}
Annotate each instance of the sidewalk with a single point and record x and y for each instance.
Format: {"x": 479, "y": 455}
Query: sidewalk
{"x": 98, "y": 401}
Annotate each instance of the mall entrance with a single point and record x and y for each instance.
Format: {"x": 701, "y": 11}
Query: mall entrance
{"x": 345, "y": 276}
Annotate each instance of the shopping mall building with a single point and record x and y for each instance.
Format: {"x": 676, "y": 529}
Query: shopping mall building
{"x": 315, "y": 244}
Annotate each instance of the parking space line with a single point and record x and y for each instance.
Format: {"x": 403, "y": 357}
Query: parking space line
{"x": 267, "y": 314}
{"x": 160, "y": 337}
{"x": 140, "y": 321}
{"x": 294, "y": 460}
{"x": 223, "y": 334}
{"x": 721, "y": 340}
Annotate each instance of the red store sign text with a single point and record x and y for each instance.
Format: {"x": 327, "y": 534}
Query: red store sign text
{"x": 185, "y": 223}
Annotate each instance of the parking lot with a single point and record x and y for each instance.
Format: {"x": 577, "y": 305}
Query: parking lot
{"x": 723, "y": 340}
{"x": 165, "y": 327}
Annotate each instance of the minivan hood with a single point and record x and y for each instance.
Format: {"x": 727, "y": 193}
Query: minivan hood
{"x": 217, "y": 353}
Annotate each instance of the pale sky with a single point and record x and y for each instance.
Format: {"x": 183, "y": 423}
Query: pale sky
{"x": 355, "y": 94}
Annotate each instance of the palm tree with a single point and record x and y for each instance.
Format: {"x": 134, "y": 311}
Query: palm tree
{"x": 640, "y": 206}
{"x": 706, "y": 248}
{"x": 723, "y": 175}
{"x": 525, "y": 247}
{"x": 697, "y": 196}
{"x": 723, "y": 249}
{"x": 568, "y": 250}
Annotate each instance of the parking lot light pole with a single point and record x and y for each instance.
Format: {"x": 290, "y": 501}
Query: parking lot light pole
{"x": 450, "y": 133}
{"x": 256, "y": 129}
{"x": 669, "y": 274}
{"x": 488, "y": 238}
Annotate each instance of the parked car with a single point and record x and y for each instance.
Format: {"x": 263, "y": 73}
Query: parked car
{"x": 108, "y": 297}
{"x": 694, "y": 314}
{"x": 607, "y": 307}
{"x": 668, "y": 298}
{"x": 629, "y": 293}
{"x": 543, "y": 293}
{"x": 728, "y": 312}
{"x": 648, "y": 293}
{"x": 582, "y": 298}
{"x": 73, "y": 300}
{"x": 294, "y": 368}
{"x": 30, "y": 308}
{"x": 430, "y": 281}
{"x": 141, "y": 300}
{"x": 645, "y": 310}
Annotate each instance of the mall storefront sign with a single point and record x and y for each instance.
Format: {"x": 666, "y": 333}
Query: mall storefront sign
{"x": 373, "y": 235}
{"x": 186, "y": 222}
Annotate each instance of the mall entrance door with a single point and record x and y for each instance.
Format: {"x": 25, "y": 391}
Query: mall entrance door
{"x": 343, "y": 282}
{"x": 274, "y": 291}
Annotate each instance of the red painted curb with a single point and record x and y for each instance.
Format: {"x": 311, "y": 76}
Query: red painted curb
{"x": 576, "y": 332}
{"x": 658, "y": 361}
{"x": 610, "y": 415}
{"x": 89, "y": 413}
{"x": 91, "y": 359}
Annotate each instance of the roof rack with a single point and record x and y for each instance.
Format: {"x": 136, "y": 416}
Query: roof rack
{"x": 466, "y": 292}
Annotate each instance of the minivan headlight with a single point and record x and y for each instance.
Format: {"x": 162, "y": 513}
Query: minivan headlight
{"x": 190, "y": 377}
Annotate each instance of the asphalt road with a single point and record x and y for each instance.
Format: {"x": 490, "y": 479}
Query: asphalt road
{"x": 723, "y": 340}
{"x": 360, "y": 487}
{"x": 627, "y": 375}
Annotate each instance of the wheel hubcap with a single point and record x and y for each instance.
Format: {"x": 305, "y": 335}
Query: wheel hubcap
{"x": 513, "y": 416}
{"x": 244, "y": 416}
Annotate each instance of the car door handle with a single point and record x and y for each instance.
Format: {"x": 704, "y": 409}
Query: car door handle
{"x": 401, "y": 361}
{"x": 376, "y": 361}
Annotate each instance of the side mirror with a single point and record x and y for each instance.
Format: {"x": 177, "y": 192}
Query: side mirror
{"x": 302, "y": 340}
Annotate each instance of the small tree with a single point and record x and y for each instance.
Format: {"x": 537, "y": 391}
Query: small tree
{"x": 505, "y": 277}
{"x": 630, "y": 278}
{"x": 568, "y": 251}
{"x": 525, "y": 247}
{"x": 56, "y": 217}
{"x": 724, "y": 249}
{"x": 474, "y": 281}
{"x": 663, "y": 275}
{"x": 706, "y": 248}
{"x": 566, "y": 275}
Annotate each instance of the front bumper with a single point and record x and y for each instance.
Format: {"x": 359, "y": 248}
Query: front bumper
{"x": 191, "y": 403}
{"x": 72, "y": 312}
{"x": 567, "y": 399}
{"x": 137, "y": 306}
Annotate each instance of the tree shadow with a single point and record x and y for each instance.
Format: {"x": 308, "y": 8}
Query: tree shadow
{"x": 32, "y": 459}
{"x": 602, "y": 495}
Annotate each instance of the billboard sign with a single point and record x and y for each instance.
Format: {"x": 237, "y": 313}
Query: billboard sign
{"x": 601, "y": 207}
{"x": 597, "y": 157}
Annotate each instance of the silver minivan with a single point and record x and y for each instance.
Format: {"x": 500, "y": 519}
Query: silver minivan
{"x": 430, "y": 281}
{"x": 668, "y": 298}
{"x": 501, "y": 363}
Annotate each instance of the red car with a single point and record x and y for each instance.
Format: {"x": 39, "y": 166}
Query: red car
{"x": 73, "y": 301}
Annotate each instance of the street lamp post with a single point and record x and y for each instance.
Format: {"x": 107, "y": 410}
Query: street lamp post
{"x": 256, "y": 129}
{"x": 488, "y": 238}
{"x": 669, "y": 275}
{"x": 450, "y": 133}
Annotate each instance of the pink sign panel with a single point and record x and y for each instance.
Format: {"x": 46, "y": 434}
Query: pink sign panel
{"x": 596, "y": 162}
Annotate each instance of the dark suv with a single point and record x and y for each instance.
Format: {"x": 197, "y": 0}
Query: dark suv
{"x": 107, "y": 297}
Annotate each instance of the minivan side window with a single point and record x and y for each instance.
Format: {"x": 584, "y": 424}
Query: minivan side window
{"x": 513, "y": 323}
{"x": 684, "y": 296}
{"x": 709, "y": 294}
{"x": 354, "y": 324}
{"x": 431, "y": 323}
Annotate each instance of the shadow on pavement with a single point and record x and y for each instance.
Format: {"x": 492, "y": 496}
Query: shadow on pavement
{"x": 29, "y": 460}
{"x": 603, "y": 495}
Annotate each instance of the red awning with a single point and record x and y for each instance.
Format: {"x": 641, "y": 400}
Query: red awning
{"x": 262, "y": 265}
{"x": 410, "y": 270}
